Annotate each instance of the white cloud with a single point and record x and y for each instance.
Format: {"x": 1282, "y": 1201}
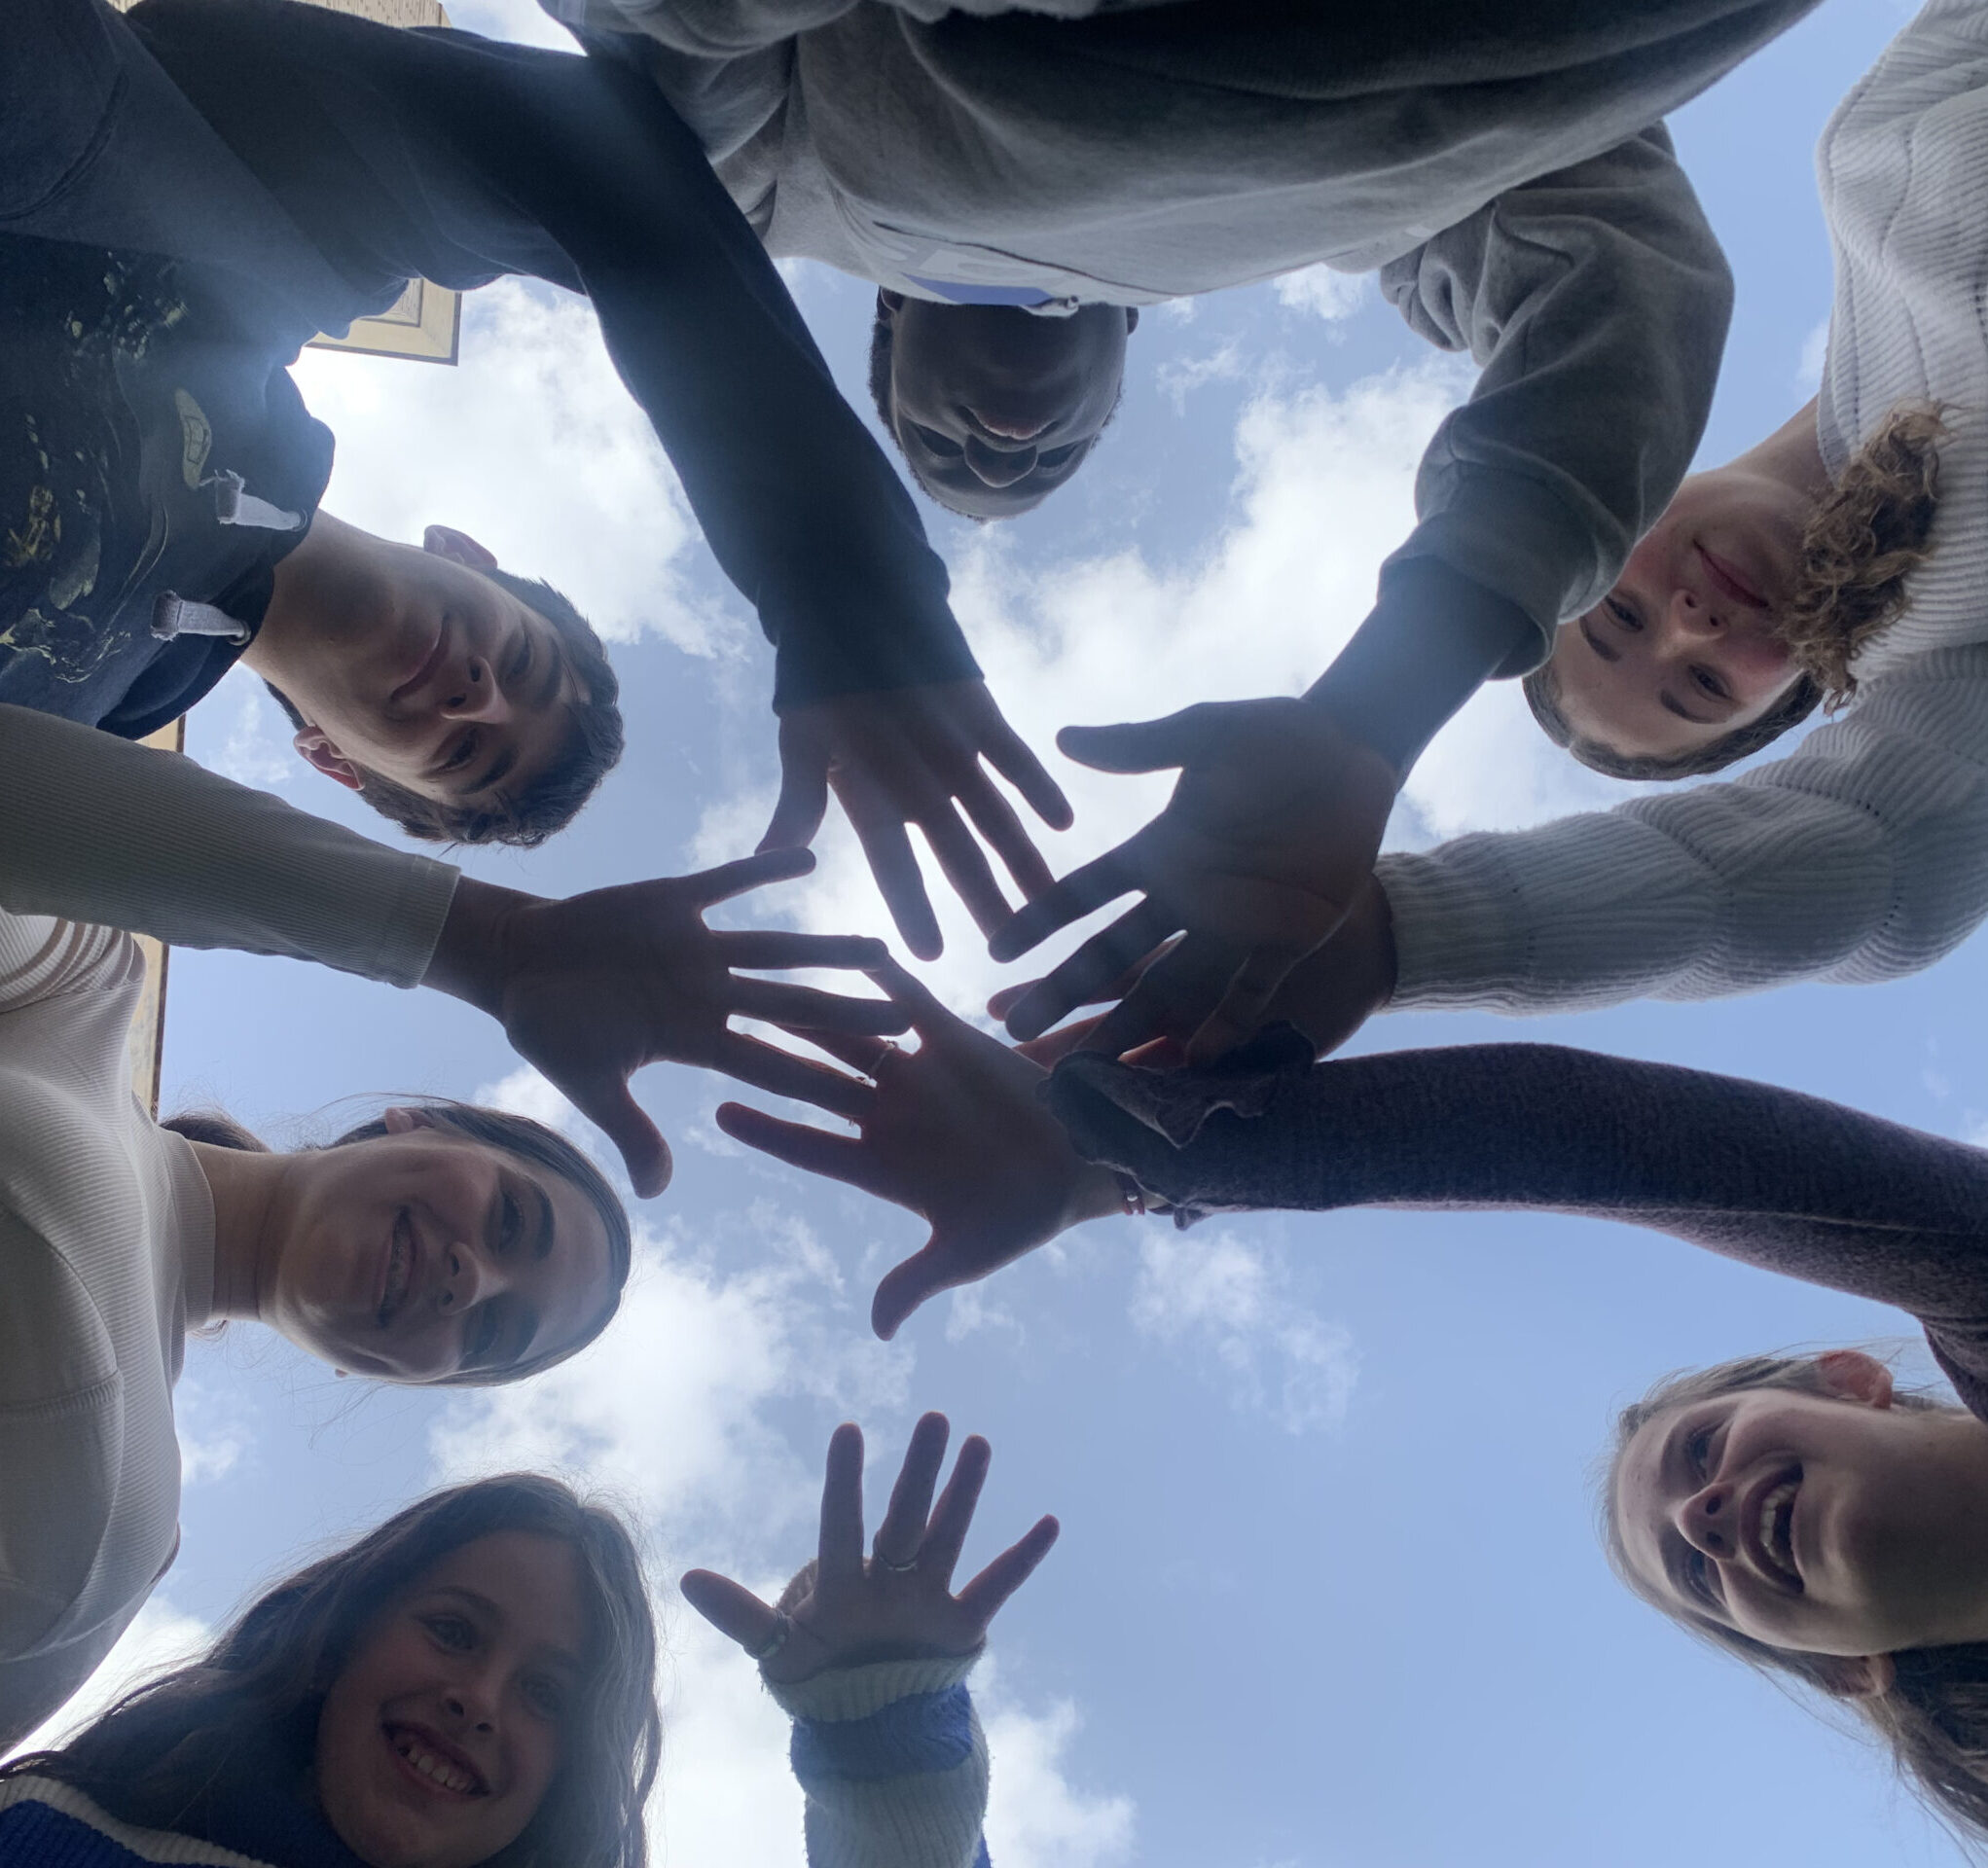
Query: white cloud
{"x": 1324, "y": 488}
{"x": 549, "y": 462}
{"x": 257, "y": 750}
{"x": 1815, "y": 352}
{"x": 1323, "y": 291}
{"x": 1224, "y": 1297}
{"x": 1179, "y": 379}
{"x": 158, "y": 1637}
{"x": 1037, "y": 1818}
{"x": 212, "y": 1437}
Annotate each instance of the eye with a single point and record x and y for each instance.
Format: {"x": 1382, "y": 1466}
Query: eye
{"x": 512, "y": 1222}
{"x": 1698, "y": 1579}
{"x": 1056, "y": 457}
{"x": 1698, "y": 1453}
{"x": 450, "y": 1632}
{"x": 520, "y": 661}
{"x": 546, "y": 1697}
{"x": 1710, "y": 684}
{"x": 466, "y": 751}
{"x": 936, "y": 442}
{"x": 1622, "y": 613}
{"x": 480, "y": 1348}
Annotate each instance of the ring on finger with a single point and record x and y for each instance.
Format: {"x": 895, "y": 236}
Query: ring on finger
{"x": 782, "y": 1627}
{"x": 896, "y": 1569}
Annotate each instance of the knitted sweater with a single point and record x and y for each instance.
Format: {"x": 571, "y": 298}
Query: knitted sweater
{"x": 1864, "y": 855}
{"x": 890, "y": 1756}
{"x": 1497, "y": 164}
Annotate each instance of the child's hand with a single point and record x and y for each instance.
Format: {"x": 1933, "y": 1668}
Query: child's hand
{"x": 1265, "y": 844}
{"x": 952, "y": 1130}
{"x": 897, "y": 1604}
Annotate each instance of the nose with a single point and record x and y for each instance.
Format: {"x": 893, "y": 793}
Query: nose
{"x": 1708, "y": 1520}
{"x": 998, "y": 466}
{"x": 1695, "y": 619}
{"x": 471, "y": 1702}
{"x": 468, "y": 1277}
{"x": 473, "y": 694}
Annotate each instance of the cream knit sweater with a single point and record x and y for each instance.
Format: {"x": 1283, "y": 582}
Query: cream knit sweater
{"x": 1864, "y": 855}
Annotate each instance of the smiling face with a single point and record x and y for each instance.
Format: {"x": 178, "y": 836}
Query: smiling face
{"x": 442, "y": 1733}
{"x": 413, "y": 664}
{"x": 1829, "y": 1524}
{"x": 995, "y": 407}
{"x": 1684, "y": 650}
{"x": 425, "y": 1256}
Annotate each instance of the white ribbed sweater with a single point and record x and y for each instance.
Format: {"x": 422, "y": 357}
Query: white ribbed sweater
{"x": 106, "y": 1261}
{"x": 1864, "y": 855}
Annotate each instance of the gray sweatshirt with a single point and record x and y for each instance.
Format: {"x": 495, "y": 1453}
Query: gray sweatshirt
{"x": 1493, "y": 162}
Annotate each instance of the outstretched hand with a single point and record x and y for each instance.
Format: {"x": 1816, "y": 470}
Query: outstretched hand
{"x": 897, "y": 1604}
{"x": 1272, "y": 830}
{"x": 952, "y": 1130}
{"x": 591, "y": 988}
{"x": 914, "y": 756}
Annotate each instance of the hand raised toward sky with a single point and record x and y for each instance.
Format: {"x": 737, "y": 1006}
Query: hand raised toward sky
{"x": 914, "y": 756}
{"x": 1269, "y": 835}
{"x": 954, "y": 1131}
{"x": 1328, "y": 997}
{"x": 897, "y": 1604}
{"x": 591, "y": 988}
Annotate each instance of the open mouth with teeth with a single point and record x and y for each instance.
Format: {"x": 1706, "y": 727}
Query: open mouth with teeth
{"x": 400, "y": 1268}
{"x": 436, "y": 1768}
{"x": 1774, "y": 1530}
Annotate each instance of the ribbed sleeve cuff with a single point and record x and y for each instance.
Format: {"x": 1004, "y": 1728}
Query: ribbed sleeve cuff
{"x": 858, "y": 1691}
{"x": 1461, "y": 938}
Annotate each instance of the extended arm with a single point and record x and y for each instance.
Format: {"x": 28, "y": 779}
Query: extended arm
{"x": 1782, "y": 1181}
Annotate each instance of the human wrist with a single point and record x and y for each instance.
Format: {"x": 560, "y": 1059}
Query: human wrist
{"x": 1097, "y": 1193}
{"x": 471, "y": 957}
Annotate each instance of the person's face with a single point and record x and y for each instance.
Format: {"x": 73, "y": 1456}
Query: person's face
{"x": 1684, "y": 650}
{"x": 995, "y": 407}
{"x": 442, "y": 1733}
{"x": 1832, "y": 1525}
{"x": 423, "y": 1255}
{"x": 426, "y": 673}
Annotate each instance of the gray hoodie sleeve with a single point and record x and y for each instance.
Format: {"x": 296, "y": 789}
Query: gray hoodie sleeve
{"x": 1596, "y": 300}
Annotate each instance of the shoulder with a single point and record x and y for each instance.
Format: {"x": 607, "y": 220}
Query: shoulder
{"x": 44, "y": 1824}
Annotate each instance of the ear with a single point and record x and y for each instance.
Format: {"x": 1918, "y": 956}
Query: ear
{"x": 321, "y": 755}
{"x": 1852, "y": 1376}
{"x": 401, "y": 1122}
{"x": 889, "y": 304}
{"x": 445, "y": 541}
{"x": 1131, "y": 319}
{"x": 1856, "y": 1677}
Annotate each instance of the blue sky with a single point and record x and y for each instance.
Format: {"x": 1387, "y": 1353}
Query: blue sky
{"x": 1329, "y": 1594}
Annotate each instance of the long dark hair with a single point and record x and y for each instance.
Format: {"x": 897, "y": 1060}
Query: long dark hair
{"x": 159, "y": 1755}
{"x": 528, "y": 1141}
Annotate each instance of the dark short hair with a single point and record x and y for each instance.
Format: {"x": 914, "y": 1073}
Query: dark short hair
{"x": 159, "y": 1757}
{"x": 552, "y": 801}
{"x": 1542, "y": 696}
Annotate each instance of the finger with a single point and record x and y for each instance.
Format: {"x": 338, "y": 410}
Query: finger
{"x": 610, "y": 1106}
{"x": 1007, "y": 836}
{"x": 720, "y": 884}
{"x": 953, "y": 1514}
{"x": 1009, "y": 996}
{"x": 1097, "y": 883}
{"x": 766, "y": 1067}
{"x": 1012, "y": 757}
{"x": 983, "y": 1597}
{"x": 810, "y": 1009}
{"x": 1241, "y": 1009}
{"x": 734, "y": 1610}
{"x": 901, "y": 1536}
{"x": 1052, "y": 1046}
{"x": 1170, "y": 1000}
{"x": 841, "y": 1553}
{"x": 803, "y": 802}
{"x": 859, "y": 1052}
{"x": 888, "y": 848}
{"x": 814, "y": 1150}
{"x": 962, "y": 863}
{"x": 1144, "y": 745}
{"x": 905, "y": 1286}
{"x": 929, "y": 1018}
{"x": 758, "y": 950}
{"x": 1084, "y": 976}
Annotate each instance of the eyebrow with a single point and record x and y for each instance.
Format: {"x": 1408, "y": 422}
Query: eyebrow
{"x": 491, "y": 1611}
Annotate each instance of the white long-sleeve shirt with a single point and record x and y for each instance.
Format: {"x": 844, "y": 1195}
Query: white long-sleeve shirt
{"x": 106, "y": 1261}
{"x": 1862, "y": 855}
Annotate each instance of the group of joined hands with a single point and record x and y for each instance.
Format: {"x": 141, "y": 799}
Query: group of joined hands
{"x": 1263, "y": 854}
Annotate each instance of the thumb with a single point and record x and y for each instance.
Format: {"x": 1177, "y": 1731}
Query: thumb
{"x": 803, "y": 792}
{"x": 614, "y": 1111}
{"x": 904, "y": 1287}
{"x": 1144, "y": 745}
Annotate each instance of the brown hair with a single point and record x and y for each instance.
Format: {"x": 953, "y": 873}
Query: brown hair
{"x": 1933, "y": 1717}
{"x": 551, "y": 801}
{"x": 528, "y": 1141}
{"x": 1860, "y": 545}
{"x": 166, "y": 1753}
